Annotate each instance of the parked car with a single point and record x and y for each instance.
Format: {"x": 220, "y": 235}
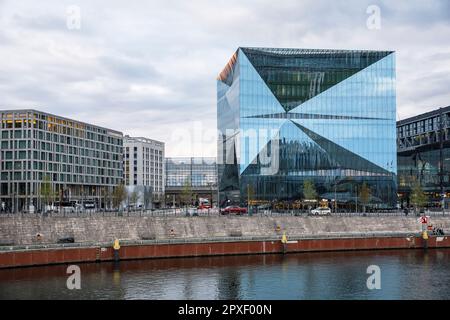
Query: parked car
{"x": 89, "y": 204}
{"x": 64, "y": 207}
{"x": 233, "y": 209}
{"x": 321, "y": 211}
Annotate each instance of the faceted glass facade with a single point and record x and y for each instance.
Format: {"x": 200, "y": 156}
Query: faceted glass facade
{"x": 290, "y": 115}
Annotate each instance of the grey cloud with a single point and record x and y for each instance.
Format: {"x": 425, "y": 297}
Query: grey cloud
{"x": 149, "y": 67}
{"x": 128, "y": 68}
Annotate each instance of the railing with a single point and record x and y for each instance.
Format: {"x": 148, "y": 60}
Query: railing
{"x": 182, "y": 212}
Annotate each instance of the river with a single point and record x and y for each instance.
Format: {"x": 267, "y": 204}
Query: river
{"x": 405, "y": 274}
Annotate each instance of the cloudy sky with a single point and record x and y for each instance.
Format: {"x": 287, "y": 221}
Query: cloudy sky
{"x": 148, "y": 68}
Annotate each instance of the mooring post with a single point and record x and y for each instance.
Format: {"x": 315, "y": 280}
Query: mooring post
{"x": 425, "y": 239}
{"x": 284, "y": 242}
{"x": 116, "y": 248}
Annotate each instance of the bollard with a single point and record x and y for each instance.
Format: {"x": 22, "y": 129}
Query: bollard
{"x": 116, "y": 248}
{"x": 425, "y": 239}
{"x": 284, "y": 242}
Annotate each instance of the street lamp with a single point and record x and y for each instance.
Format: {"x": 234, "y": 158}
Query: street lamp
{"x": 336, "y": 180}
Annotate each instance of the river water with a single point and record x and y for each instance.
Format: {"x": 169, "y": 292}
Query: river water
{"x": 405, "y": 274}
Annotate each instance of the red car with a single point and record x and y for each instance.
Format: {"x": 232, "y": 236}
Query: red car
{"x": 234, "y": 209}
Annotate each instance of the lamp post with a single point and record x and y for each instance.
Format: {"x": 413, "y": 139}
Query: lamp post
{"x": 13, "y": 203}
{"x": 248, "y": 198}
{"x": 441, "y": 160}
{"x": 336, "y": 180}
{"x": 335, "y": 196}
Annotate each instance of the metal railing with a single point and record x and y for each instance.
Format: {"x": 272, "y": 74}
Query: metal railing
{"x": 190, "y": 212}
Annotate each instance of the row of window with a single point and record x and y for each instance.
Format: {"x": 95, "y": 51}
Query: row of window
{"x": 58, "y": 177}
{"x": 39, "y": 135}
{"x": 423, "y": 126}
{"x": 59, "y": 158}
{"x": 44, "y": 122}
{"x": 55, "y": 167}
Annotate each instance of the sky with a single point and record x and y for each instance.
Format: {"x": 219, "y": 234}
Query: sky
{"x": 149, "y": 68}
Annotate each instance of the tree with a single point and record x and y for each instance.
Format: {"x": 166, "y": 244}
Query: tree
{"x": 309, "y": 191}
{"x": 105, "y": 196}
{"x": 148, "y": 195}
{"x": 250, "y": 193}
{"x": 46, "y": 190}
{"x": 119, "y": 195}
{"x": 364, "y": 194}
{"x": 186, "y": 194}
{"x": 418, "y": 197}
{"x": 134, "y": 197}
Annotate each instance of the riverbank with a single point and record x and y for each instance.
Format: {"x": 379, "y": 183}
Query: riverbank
{"x": 31, "y": 241}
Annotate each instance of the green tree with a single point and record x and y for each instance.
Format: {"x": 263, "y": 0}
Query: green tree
{"x": 309, "y": 191}
{"x": 119, "y": 195}
{"x": 46, "y": 190}
{"x": 418, "y": 197}
{"x": 250, "y": 193}
{"x": 364, "y": 195}
{"x": 134, "y": 197}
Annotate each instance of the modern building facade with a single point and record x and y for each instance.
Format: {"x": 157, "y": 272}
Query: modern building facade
{"x": 423, "y": 146}
{"x": 144, "y": 169}
{"x": 286, "y": 116}
{"x": 198, "y": 175}
{"x": 81, "y": 161}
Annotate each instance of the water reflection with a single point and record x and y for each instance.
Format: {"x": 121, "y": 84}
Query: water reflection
{"x": 407, "y": 274}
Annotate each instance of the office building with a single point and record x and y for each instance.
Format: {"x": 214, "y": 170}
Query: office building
{"x": 286, "y": 116}
{"x": 144, "y": 169}
{"x": 79, "y": 161}
{"x": 423, "y": 146}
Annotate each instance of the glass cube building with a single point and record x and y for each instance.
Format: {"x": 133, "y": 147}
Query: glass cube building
{"x": 285, "y": 116}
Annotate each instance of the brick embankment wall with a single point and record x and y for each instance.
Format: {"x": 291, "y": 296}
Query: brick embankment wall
{"x": 168, "y": 237}
{"x": 23, "y": 230}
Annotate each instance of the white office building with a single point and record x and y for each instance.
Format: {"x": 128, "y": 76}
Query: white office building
{"x": 144, "y": 170}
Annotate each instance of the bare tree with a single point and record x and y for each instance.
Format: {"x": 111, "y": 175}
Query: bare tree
{"x": 119, "y": 195}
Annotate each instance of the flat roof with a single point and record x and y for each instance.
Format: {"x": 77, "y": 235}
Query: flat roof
{"x": 423, "y": 116}
{"x": 306, "y": 51}
{"x": 61, "y": 117}
{"x": 142, "y": 139}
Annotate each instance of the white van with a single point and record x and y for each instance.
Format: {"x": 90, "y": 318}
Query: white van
{"x": 321, "y": 211}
